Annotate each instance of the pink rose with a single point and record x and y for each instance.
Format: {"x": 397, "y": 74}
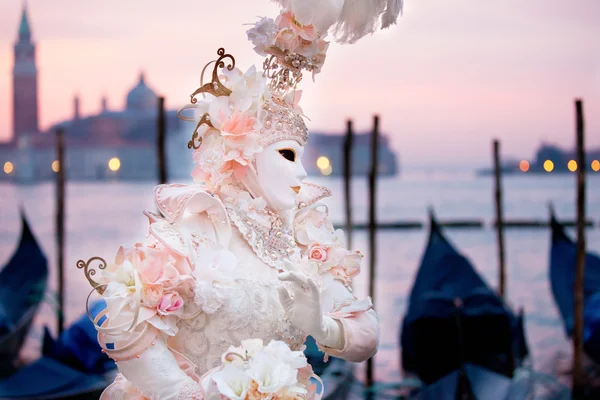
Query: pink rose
{"x": 287, "y": 39}
{"x": 169, "y": 303}
{"x": 238, "y": 125}
{"x": 318, "y": 253}
{"x": 152, "y": 294}
{"x": 287, "y": 21}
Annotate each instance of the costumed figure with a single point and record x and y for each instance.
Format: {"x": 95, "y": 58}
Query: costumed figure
{"x": 238, "y": 268}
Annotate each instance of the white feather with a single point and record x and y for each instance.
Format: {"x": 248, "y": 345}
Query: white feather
{"x": 359, "y": 18}
{"x": 393, "y": 10}
{"x": 350, "y": 19}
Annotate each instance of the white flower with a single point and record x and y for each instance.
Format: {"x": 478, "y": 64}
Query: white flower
{"x": 271, "y": 374}
{"x": 120, "y": 278}
{"x": 262, "y": 35}
{"x": 248, "y": 91}
{"x": 232, "y": 382}
{"x": 280, "y": 351}
{"x": 209, "y": 158}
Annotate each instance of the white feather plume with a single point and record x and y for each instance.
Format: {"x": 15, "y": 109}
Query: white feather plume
{"x": 362, "y": 17}
{"x": 350, "y": 19}
{"x": 393, "y": 10}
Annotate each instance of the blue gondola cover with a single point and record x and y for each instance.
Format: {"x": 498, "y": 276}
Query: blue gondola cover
{"x": 562, "y": 277}
{"x": 454, "y": 318}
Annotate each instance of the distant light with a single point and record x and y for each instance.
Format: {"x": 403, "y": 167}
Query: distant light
{"x": 327, "y": 171}
{"x": 596, "y": 165}
{"x": 323, "y": 163}
{"x": 524, "y": 165}
{"x": 548, "y": 166}
{"x": 572, "y": 165}
{"x": 55, "y": 166}
{"x": 8, "y": 167}
{"x": 114, "y": 164}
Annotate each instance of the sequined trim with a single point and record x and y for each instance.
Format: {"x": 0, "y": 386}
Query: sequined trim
{"x": 321, "y": 193}
{"x": 282, "y": 122}
{"x": 169, "y": 235}
{"x": 272, "y": 244}
{"x": 190, "y": 391}
{"x": 172, "y": 215}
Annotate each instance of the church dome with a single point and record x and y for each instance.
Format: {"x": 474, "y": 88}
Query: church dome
{"x": 141, "y": 97}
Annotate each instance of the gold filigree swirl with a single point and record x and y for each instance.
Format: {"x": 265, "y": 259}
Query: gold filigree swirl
{"x": 215, "y": 87}
{"x": 90, "y": 272}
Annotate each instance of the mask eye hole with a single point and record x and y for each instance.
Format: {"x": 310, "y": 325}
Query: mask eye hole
{"x": 288, "y": 154}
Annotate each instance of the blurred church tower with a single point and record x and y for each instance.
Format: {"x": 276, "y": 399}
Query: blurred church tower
{"x": 25, "y": 93}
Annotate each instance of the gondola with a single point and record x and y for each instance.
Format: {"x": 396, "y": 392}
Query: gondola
{"x": 562, "y": 278}
{"x": 22, "y": 285}
{"x": 72, "y": 367}
{"x": 458, "y": 336}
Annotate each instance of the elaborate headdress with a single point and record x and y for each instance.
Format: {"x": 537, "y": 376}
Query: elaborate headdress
{"x": 243, "y": 112}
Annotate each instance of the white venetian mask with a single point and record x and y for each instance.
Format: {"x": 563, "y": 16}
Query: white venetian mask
{"x": 279, "y": 173}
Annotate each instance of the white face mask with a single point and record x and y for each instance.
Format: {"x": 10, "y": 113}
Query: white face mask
{"x": 280, "y": 173}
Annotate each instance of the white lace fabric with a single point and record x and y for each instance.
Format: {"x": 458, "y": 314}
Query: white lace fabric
{"x": 231, "y": 305}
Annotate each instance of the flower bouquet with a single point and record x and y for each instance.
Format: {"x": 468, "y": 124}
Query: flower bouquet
{"x": 254, "y": 371}
{"x": 144, "y": 284}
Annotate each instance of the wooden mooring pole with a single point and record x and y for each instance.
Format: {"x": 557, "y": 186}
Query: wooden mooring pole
{"x": 60, "y": 227}
{"x": 578, "y": 372}
{"x": 160, "y": 144}
{"x": 372, "y": 229}
{"x": 347, "y": 179}
{"x": 499, "y": 220}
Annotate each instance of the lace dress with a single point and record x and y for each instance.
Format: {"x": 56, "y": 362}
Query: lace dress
{"x": 226, "y": 261}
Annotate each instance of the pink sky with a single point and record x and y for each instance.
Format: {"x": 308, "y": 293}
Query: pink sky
{"x": 447, "y": 79}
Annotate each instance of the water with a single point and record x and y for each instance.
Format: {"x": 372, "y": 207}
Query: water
{"x": 100, "y": 217}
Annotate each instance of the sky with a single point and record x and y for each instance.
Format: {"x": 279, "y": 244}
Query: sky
{"x": 450, "y": 77}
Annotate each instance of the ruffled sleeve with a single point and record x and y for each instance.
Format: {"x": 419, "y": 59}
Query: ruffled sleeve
{"x": 359, "y": 322}
{"x": 148, "y": 289}
{"x": 337, "y": 266}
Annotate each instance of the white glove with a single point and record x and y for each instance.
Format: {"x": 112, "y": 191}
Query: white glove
{"x": 303, "y": 308}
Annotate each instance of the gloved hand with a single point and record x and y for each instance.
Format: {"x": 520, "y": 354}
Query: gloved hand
{"x": 303, "y": 308}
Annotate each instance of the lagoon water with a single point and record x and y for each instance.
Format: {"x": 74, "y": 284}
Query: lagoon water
{"x": 101, "y": 216}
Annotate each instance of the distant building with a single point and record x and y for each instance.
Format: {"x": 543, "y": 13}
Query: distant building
{"x": 549, "y": 159}
{"x": 128, "y": 135}
{"x": 331, "y": 147}
{"x": 121, "y": 144}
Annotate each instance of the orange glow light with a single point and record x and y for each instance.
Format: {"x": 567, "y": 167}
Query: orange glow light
{"x": 595, "y": 165}
{"x": 572, "y": 165}
{"x": 524, "y": 165}
{"x": 8, "y": 167}
{"x": 114, "y": 164}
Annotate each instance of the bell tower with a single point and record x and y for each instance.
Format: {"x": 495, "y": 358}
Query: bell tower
{"x": 25, "y": 93}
